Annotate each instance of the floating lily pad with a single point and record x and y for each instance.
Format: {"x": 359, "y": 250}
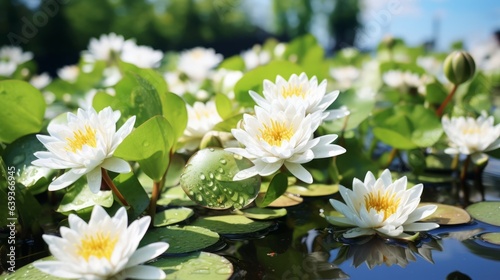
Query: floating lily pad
{"x": 175, "y": 196}
{"x": 208, "y": 180}
{"x": 231, "y": 224}
{"x": 172, "y": 216}
{"x": 485, "y": 211}
{"x": 285, "y": 200}
{"x": 491, "y": 237}
{"x": 447, "y": 215}
{"x": 80, "y": 196}
{"x": 200, "y": 265}
{"x": 182, "y": 239}
{"x": 30, "y": 272}
{"x": 313, "y": 190}
{"x": 264, "y": 213}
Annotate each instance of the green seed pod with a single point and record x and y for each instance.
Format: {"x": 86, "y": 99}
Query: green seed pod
{"x": 459, "y": 67}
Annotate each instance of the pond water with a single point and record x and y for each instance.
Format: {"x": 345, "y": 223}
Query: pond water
{"x": 302, "y": 245}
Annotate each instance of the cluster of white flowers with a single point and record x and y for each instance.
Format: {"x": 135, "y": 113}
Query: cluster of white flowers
{"x": 281, "y": 133}
{"x": 10, "y": 58}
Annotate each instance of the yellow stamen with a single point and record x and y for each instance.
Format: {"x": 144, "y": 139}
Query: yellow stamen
{"x": 291, "y": 90}
{"x": 276, "y": 133}
{"x": 98, "y": 245}
{"x": 471, "y": 130}
{"x": 382, "y": 202}
{"x": 81, "y": 138}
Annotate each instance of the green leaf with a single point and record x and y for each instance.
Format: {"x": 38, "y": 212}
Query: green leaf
{"x": 208, "y": 180}
{"x": 231, "y": 224}
{"x": 20, "y": 154}
{"x": 264, "y": 213}
{"x": 407, "y": 127}
{"x": 228, "y": 124}
{"x": 21, "y": 110}
{"x": 224, "y": 105}
{"x": 172, "y": 216}
{"x": 150, "y": 145}
{"x": 175, "y": 111}
{"x": 181, "y": 239}
{"x": 253, "y": 79}
{"x": 486, "y": 212}
{"x": 447, "y": 215}
{"x": 435, "y": 93}
{"x": 299, "y": 47}
{"x": 491, "y": 237}
{"x": 235, "y": 62}
{"x": 277, "y": 187}
{"x": 80, "y": 197}
{"x": 134, "y": 193}
{"x": 192, "y": 266}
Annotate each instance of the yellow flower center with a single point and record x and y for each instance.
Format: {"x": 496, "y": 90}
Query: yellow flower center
{"x": 276, "y": 133}
{"x": 291, "y": 90}
{"x": 472, "y": 130}
{"x": 99, "y": 245}
{"x": 80, "y": 138}
{"x": 382, "y": 202}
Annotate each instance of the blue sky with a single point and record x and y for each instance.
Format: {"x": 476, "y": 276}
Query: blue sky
{"x": 471, "y": 21}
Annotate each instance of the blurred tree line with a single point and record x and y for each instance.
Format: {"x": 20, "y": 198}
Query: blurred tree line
{"x": 58, "y": 30}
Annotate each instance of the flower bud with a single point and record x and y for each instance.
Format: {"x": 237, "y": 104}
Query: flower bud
{"x": 459, "y": 67}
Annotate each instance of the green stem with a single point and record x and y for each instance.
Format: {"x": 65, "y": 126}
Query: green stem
{"x": 463, "y": 177}
{"x": 441, "y": 108}
{"x": 113, "y": 188}
{"x": 154, "y": 199}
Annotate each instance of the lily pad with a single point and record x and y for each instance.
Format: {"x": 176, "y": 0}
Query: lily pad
{"x": 285, "y": 200}
{"x": 313, "y": 190}
{"x": 264, "y": 213}
{"x": 447, "y": 215}
{"x": 182, "y": 239}
{"x": 491, "y": 237}
{"x": 30, "y": 272}
{"x": 200, "y": 265}
{"x": 172, "y": 216}
{"x": 208, "y": 180}
{"x": 485, "y": 211}
{"x": 231, "y": 224}
{"x": 175, "y": 196}
{"x": 80, "y": 196}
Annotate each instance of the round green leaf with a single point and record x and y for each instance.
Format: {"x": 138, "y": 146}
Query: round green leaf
{"x": 286, "y": 200}
{"x": 208, "y": 180}
{"x": 200, "y": 265}
{"x": 313, "y": 190}
{"x": 491, "y": 237}
{"x": 79, "y": 197}
{"x": 231, "y": 224}
{"x": 21, "y": 110}
{"x": 486, "y": 211}
{"x": 447, "y": 215}
{"x": 175, "y": 196}
{"x": 172, "y": 216}
{"x": 264, "y": 213}
{"x": 20, "y": 155}
{"x": 182, "y": 239}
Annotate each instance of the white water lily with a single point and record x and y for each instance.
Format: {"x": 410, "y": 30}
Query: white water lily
{"x": 399, "y": 79}
{"x": 282, "y": 138}
{"x": 40, "y": 81}
{"x": 105, "y": 47}
{"x": 105, "y": 248}
{"x": 469, "y": 136}
{"x": 69, "y": 73}
{"x": 84, "y": 144}
{"x": 255, "y": 56}
{"x": 10, "y": 58}
{"x": 298, "y": 90}
{"x": 196, "y": 63}
{"x": 201, "y": 120}
{"x": 345, "y": 76}
{"x": 381, "y": 206}
{"x": 140, "y": 56}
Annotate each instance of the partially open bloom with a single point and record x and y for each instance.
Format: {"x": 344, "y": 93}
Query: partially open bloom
{"x": 105, "y": 248}
{"x": 469, "y": 136}
{"x": 84, "y": 144}
{"x": 298, "y": 90}
{"x": 197, "y": 62}
{"x": 381, "y": 206}
{"x": 282, "y": 138}
{"x": 201, "y": 120}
